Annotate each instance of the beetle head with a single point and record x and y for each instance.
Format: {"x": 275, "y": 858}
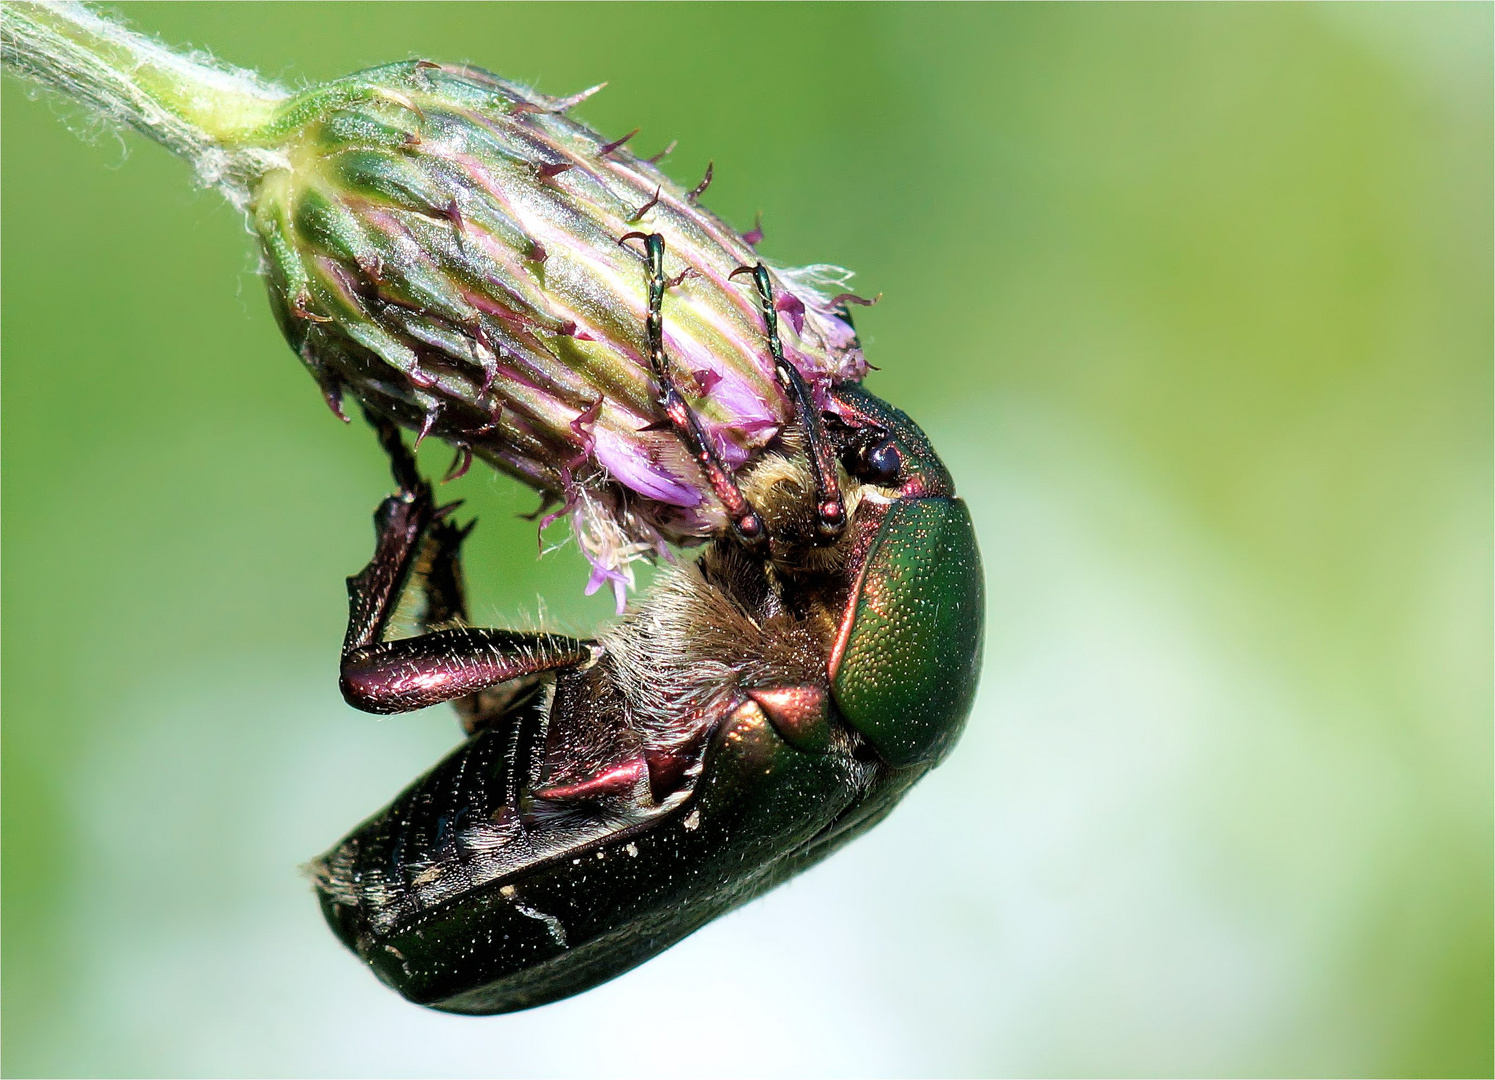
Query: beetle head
{"x": 908, "y": 649}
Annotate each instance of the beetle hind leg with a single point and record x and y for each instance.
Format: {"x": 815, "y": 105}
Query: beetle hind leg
{"x": 451, "y": 661}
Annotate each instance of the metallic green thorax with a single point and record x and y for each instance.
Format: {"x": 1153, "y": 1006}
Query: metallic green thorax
{"x": 907, "y": 674}
{"x": 905, "y": 664}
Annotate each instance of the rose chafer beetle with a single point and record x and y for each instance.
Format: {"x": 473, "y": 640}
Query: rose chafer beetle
{"x": 439, "y": 244}
{"x": 758, "y": 708}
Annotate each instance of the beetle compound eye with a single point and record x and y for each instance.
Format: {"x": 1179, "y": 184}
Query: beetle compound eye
{"x": 875, "y": 459}
{"x": 883, "y": 460}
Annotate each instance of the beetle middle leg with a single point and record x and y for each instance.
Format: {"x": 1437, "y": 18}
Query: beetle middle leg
{"x": 456, "y": 662}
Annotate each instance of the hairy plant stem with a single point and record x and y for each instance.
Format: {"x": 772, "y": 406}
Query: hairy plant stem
{"x": 206, "y": 112}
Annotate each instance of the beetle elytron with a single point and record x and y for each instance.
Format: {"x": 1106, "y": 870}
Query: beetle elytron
{"x": 756, "y": 710}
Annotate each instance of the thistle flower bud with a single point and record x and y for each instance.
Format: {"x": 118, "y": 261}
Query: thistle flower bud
{"x": 447, "y": 249}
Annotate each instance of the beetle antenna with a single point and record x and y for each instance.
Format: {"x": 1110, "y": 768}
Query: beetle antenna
{"x": 746, "y": 522}
{"x": 830, "y": 508}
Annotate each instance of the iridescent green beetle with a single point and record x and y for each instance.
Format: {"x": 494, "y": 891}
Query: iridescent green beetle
{"x": 759, "y": 707}
{"x": 444, "y": 246}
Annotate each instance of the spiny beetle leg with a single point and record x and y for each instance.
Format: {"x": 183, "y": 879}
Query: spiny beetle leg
{"x": 830, "y": 508}
{"x": 412, "y": 673}
{"x": 399, "y": 524}
{"x": 401, "y": 460}
{"x": 439, "y": 569}
{"x": 747, "y": 525}
{"x": 456, "y": 662}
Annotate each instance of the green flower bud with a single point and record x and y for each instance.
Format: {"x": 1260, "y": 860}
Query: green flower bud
{"x": 446, "y": 248}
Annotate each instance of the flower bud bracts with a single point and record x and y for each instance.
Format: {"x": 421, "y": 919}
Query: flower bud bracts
{"x": 445, "y": 246}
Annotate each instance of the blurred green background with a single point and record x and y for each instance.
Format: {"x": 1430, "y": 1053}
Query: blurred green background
{"x": 1195, "y": 300}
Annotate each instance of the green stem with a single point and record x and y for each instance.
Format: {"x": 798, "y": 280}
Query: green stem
{"x": 206, "y": 112}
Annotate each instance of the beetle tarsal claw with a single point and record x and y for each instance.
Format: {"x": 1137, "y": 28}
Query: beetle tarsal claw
{"x": 800, "y": 714}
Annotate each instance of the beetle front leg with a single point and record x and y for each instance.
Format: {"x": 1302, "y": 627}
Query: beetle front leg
{"x": 747, "y": 523}
{"x": 456, "y": 663}
{"x": 830, "y": 507}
